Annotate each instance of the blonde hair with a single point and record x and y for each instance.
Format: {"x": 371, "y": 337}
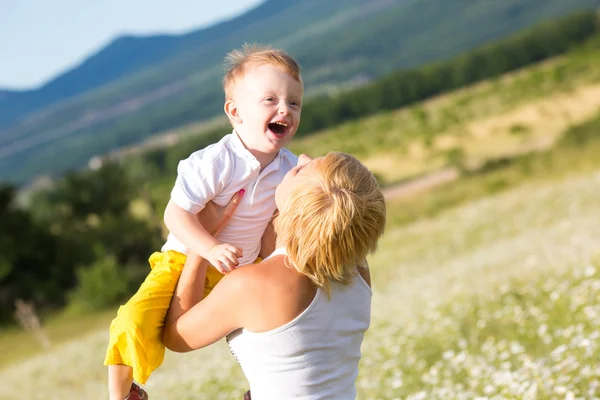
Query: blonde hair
{"x": 331, "y": 223}
{"x": 237, "y": 62}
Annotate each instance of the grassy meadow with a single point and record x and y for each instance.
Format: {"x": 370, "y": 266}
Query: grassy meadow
{"x": 515, "y": 113}
{"x": 484, "y": 288}
{"x": 497, "y": 298}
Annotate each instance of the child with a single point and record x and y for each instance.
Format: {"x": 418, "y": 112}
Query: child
{"x": 263, "y": 98}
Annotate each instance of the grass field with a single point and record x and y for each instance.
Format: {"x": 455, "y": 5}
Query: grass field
{"x": 488, "y": 287}
{"x": 497, "y": 297}
{"x": 15, "y": 345}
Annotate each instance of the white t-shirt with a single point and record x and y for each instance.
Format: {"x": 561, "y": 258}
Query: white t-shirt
{"x": 314, "y": 356}
{"x": 219, "y": 171}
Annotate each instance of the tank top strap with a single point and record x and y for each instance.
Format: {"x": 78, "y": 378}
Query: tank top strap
{"x": 278, "y": 251}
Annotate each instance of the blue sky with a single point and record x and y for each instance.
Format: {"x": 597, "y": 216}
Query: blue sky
{"x": 40, "y": 39}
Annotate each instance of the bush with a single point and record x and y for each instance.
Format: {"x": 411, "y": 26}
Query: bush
{"x": 100, "y": 285}
{"x": 455, "y": 157}
{"x": 582, "y": 135}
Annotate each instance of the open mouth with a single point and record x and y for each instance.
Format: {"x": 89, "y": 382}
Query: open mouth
{"x": 279, "y": 128}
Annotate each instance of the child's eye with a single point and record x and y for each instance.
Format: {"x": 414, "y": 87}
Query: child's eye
{"x": 270, "y": 99}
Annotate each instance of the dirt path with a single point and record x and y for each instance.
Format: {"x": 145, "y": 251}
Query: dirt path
{"x": 546, "y": 119}
{"x": 450, "y": 174}
{"x": 422, "y": 184}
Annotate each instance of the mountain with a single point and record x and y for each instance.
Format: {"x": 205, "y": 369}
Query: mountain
{"x": 124, "y": 56}
{"x": 137, "y": 87}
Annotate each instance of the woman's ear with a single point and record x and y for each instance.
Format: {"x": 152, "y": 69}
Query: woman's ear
{"x": 232, "y": 112}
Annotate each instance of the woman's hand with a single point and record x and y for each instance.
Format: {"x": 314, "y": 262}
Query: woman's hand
{"x": 214, "y": 218}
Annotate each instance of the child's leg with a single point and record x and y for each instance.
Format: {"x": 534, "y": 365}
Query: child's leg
{"x": 120, "y": 378}
{"x": 135, "y": 345}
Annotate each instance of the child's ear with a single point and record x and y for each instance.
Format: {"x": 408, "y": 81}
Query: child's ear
{"x": 232, "y": 111}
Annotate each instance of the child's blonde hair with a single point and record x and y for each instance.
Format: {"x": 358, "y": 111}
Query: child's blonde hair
{"x": 237, "y": 61}
{"x": 331, "y": 223}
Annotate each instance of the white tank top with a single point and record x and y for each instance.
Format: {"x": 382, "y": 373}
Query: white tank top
{"x": 314, "y": 356}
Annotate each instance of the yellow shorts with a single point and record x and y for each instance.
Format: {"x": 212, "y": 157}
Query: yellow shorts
{"x": 136, "y": 332}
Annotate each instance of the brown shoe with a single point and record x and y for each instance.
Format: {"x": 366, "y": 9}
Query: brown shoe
{"x": 136, "y": 393}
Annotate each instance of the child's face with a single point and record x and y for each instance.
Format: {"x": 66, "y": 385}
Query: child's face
{"x": 266, "y": 108}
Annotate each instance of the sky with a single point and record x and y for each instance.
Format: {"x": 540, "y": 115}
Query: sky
{"x": 39, "y": 39}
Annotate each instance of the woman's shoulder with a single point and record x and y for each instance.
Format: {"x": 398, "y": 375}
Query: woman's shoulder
{"x": 272, "y": 293}
{"x": 261, "y": 274}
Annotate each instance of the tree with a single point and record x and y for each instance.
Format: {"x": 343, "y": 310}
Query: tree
{"x": 30, "y": 266}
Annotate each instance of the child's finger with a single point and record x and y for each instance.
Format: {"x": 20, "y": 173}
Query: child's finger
{"x": 227, "y": 265}
{"x": 221, "y": 267}
{"x": 231, "y": 259}
{"x": 236, "y": 251}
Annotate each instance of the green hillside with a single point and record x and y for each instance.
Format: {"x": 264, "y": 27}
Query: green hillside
{"x": 339, "y": 43}
{"x": 391, "y": 135}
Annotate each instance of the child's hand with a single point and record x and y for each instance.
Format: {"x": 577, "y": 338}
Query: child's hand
{"x": 224, "y": 257}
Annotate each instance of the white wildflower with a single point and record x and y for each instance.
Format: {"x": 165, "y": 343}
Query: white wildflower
{"x": 589, "y": 271}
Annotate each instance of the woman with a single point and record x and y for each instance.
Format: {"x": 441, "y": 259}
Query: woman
{"x": 296, "y": 321}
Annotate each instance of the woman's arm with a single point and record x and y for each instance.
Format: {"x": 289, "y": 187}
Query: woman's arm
{"x": 189, "y": 289}
{"x": 211, "y": 319}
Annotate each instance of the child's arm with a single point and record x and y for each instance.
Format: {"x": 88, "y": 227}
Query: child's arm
{"x": 187, "y": 228}
{"x": 190, "y": 288}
